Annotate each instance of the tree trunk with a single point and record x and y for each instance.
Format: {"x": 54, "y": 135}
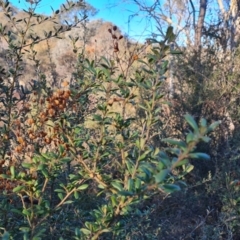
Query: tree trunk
{"x": 200, "y": 22}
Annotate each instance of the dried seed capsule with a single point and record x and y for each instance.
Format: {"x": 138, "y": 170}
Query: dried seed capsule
{"x": 48, "y": 140}
{"x": 51, "y": 112}
{"x": 30, "y": 121}
{"x": 114, "y": 36}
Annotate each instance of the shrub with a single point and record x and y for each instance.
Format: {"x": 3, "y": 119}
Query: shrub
{"x": 77, "y": 161}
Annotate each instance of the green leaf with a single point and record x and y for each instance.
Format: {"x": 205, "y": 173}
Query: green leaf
{"x": 45, "y": 155}
{"x": 189, "y": 168}
{"x": 73, "y": 176}
{"x": 26, "y": 212}
{"x": 59, "y": 190}
{"x": 41, "y": 167}
{"x": 18, "y": 189}
{"x": 126, "y": 193}
{"x": 117, "y": 185}
{"x": 137, "y": 143}
{"x": 83, "y": 187}
{"x": 12, "y": 170}
{"x": 176, "y": 52}
{"x": 5, "y": 236}
{"x": 24, "y": 229}
{"x": 137, "y": 183}
{"x": 160, "y": 177}
{"x": 14, "y": 210}
{"x": 170, "y": 188}
{"x": 61, "y": 149}
{"x": 97, "y": 117}
{"x": 143, "y": 156}
{"x": 5, "y": 176}
{"x": 203, "y": 122}
{"x": 60, "y": 195}
{"x": 45, "y": 173}
{"x": 199, "y": 156}
{"x": 191, "y": 122}
{"x": 66, "y": 160}
{"x": 77, "y": 233}
{"x": 130, "y": 185}
{"x": 105, "y": 230}
{"x": 178, "y": 143}
{"x": 101, "y": 186}
{"x": 213, "y": 126}
{"x": 142, "y": 143}
{"x": 170, "y": 36}
{"x": 85, "y": 231}
{"x": 130, "y": 167}
{"x": 148, "y": 174}
{"x": 165, "y": 159}
{"x": 68, "y": 202}
{"x": 182, "y": 162}
{"x": 206, "y": 139}
{"x": 27, "y": 165}
{"x": 114, "y": 200}
{"x": 160, "y": 166}
{"x": 190, "y": 137}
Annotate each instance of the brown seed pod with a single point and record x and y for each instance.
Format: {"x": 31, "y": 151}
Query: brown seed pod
{"x": 24, "y": 144}
{"x": 61, "y": 100}
{"x": 42, "y": 134}
{"x": 18, "y": 149}
{"x": 60, "y": 92}
{"x": 51, "y": 105}
{"x": 110, "y": 30}
{"x": 120, "y": 37}
{"x": 20, "y": 140}
{"x": 17, "y": 122}
{"x": 66, "y": 145}
{"x": 74, "y": 108}
{"x": 65, "y": 84}
{"x": 116, "y": 49}
{"x": 114, "y": 36}
{"x": 110, "y": 102}
{"x": 42, "y": 116}
{"x": 5, "y": 137}
{"x": 56, "y": 102}
{"x": 30, "y": 131}
{"x": 30, "y": 121}
{"x": 135, "y": 57}
{"x": 51, "y": 112}
{"x": 32, "y": 136}
{"x": 56, "y": 129}
{"x": 66, "y": 94}
{"x": 47, "y": 140}
{"x": 61, "y": 106}
{"x": 37, "y": 134}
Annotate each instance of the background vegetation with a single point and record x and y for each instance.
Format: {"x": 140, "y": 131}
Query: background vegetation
{"x": 105, "y": 138}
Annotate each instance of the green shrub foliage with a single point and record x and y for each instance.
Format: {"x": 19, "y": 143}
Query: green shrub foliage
{"x": 77, "y": 161}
